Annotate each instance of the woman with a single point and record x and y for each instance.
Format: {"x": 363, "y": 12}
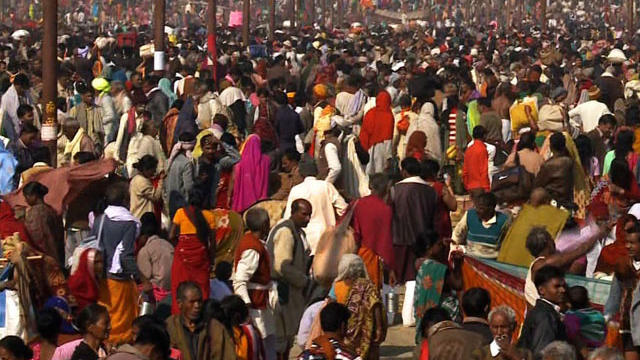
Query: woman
{"x": 377, "y": 133}
{"x": 527, "y": 155}
{"x": 194, "y": 230}
{"x": 248, "y": 342}
{"x": 446, "y": 200}
{"x": 220, "y": 344}
{"x": 502, "y": 322}
{"x": 48, "y": 323}
{"x": 416, "y": 146}
{"x": 86, "y": 275}
{"x": 587, "y": 159}
{"x": 435, "y": 282}
{"x": 43, "y": 224}
{"x": 250, "y": 179}
{"x": 144, "y": 195}
{"x": 94, "y": 325}
{"x": 264, "y": 118}
{"x": 556, "y": 174}
{"x": 180, "y": 173}
{"x": 352, "y": 288}
{"x": 13, "y": 348}
{"x": 623, "y": 149}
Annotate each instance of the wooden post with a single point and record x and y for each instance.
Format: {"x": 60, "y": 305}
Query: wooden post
{"x": 340, "y": 13}
{"x": 212, "y": 12}
{"x": 272, "y": 19}
{"x": 246, "y": 9}
{"x": 543, "y": 15}
{"x": 49, "y": 132}
{"x": 158, "y": 35}
{"x": 324, "y": 13}
{"x": 630, "y": 19}
{"x": 292, "y": 14}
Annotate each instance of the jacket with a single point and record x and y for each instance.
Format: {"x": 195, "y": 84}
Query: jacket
{"x": 541, "y": 327}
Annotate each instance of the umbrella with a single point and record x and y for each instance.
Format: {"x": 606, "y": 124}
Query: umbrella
{"x": 19, "y": 34}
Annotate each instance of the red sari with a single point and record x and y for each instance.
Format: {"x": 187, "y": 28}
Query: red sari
{"x": 190, "y": 263}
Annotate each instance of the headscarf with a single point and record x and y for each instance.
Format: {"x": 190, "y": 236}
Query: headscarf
{"x": 186, "y": 146}
{"x": 83, "y": 283}
{"x": 102, "y": 85}
{"x": 10, "y": 225}
{"x": 165, "y": 86}
{"x": 377, "y": 125}
{"x": 416, "y": 145}
{"x": 251, "y": 175}
{"x": 320, "y": 91}
{"x": 215, "y": 130}
{"x": 186, "y": 120}
{"x": 351, "y": 267}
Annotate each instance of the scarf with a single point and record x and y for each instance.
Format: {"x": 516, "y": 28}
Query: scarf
{"x": 251, "y": 175}
{"x": 73, "y": 146}
{"x": 180, "y": 146}
{"x": 82, "y": 282}
{"x": 357, "y": 102}
{"x": 197, "y": 150}
{"x": 165, "y": 85}
{"x": 186, "y": 120}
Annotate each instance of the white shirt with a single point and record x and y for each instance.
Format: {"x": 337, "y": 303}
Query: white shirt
{"x": 263, "y": 319}
{"x": 331, "y": 153}
{"x": 586, "y": 115}
{"x": 323, "y": 197}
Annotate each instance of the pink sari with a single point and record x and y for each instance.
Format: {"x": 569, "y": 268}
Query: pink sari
{"x": 251, "y": 178}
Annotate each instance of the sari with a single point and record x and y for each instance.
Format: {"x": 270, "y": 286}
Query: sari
{"x": 360, "y": 298}
{"x": 83, "y": 283}
{"x": 251, "y": 180}
{"x": 167, "y": 130}
{"x": 45, "y": 230}
{"x": 120, "y": 297}
{"x": 430, "y": 292}
{"x": 229, "y": 230}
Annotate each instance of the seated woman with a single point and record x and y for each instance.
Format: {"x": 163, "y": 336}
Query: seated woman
{"x": 481, "y": 229}
{"x": 367, "y": 328}
{"x": 94, "y": 325}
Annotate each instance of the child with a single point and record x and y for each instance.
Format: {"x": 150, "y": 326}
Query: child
{"x": 585, "y": 325}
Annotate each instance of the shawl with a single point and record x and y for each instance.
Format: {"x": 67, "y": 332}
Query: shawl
{"x": 355, "y": 180}
{"x": 128, "y": 133}
{"x": 372, "y": 219}
{"x": 186, "y": 120}
{"x": 167, "y": 130}
{"x": 377, "y": 125}
{"x": 264, "y": 124}
{"x": 429, "y": 286}
{"x": 230, "y": 95}
{"x": 73, "y": 146}
{"x": 616, "y": 253}
{"x": 186, "y": 146}
{"x": 251, "y": 175}
{"x": 363, "y": 298}
{"x": 165, "y": 86}
{"x": 83, "y": 283}
{"x": 416, "y": 145}
{"x": 69, "y": 182}
{"x": 432, "y": 131}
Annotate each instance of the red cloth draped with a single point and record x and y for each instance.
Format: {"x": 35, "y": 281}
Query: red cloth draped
{"x": 82, "y": 283}
{"x": 371, "y": 223}
{"x": 616, "y": 253}
{"x": 10, "y": 225}
{"x": 377, "y": 125}
{"x": 190, "y": 263}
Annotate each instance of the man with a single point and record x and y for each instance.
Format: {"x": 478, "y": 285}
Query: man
{"x": 155, "y": 256}
{"x": 121, "y": 100}
{"x": 188, "y": 334}
{"x": 290, "y": 176}
{"x": 25, "y": 114}
{"x": 482, "y": 228}
{"x": 414, "y": 206}
{"x": 475, "y": 170}
{"x": 447, "y": 339}
{"x": 89, "y": 116}
{"x": 543, "y": 324}
{"x": 476, "y": 303}
{"x": 151, "y": 343}
{"x": 21, "y": 149}
{"x": 106, "y": 104}
{"x": 333, "y": 319}
{"x": 324, "y": 198}
{"x": 288, "y": 125}
{"x": 611, "y": 85}
{"x": 208, "y": 105}
{"x": 601, "y": 137}
{"x": 490, "y": 120}
{"x": 41, "y": 160}
{"x": 74, "y": 139}
{"x": 290, "y": 252}
{"x": 158, "y": 102}
{"x": 371, "y": 223}
{"x": 137, "y": 94}
{"x": 585, "y": 116}
{"x": 252, "y": 279}
{"x": 329, "y": 164}
{"x": 18, "y": 94}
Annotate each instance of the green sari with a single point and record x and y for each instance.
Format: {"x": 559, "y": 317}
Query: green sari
{"x": 430, "y": 293}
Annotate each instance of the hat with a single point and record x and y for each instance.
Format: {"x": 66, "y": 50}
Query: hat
{"x": 616, "y": 56}
{"x": 320, "y": 91}
{"x": 558, "y": 92}
{"x": 594, "y": 92}
{"x": 101, "y": 84}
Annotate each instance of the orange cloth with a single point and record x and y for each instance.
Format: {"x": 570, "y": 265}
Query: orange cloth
{"x": 120, "y": 297}
{"x": 475, "y": 171}
{"x": 242, "y": 343}
{"x": 186, "y": 227}
{"x": 342, "y": 291}
{"x": 372, "y": 263}
{"x": 377, "y": 125}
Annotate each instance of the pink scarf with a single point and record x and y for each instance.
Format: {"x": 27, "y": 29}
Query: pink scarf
{"x": 251, "y": 176}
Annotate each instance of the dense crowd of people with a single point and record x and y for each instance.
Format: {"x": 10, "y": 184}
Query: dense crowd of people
{"x": 269, "y": 203}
